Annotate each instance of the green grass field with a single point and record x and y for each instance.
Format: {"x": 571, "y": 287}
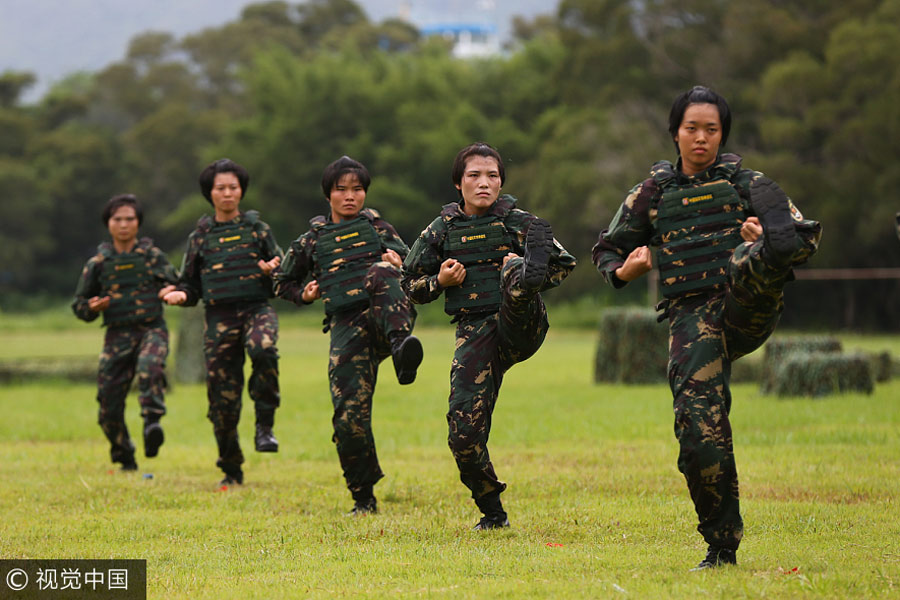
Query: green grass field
{"x": 597, "y": 506}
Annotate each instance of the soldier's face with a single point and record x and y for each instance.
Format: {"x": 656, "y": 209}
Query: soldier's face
{"x": 123, "y": 224}
{"x": 480, "y": 185}
{"x": 699, "y": 137}
{"x": 347, "y": 198}
{"x": 226, "y": 195}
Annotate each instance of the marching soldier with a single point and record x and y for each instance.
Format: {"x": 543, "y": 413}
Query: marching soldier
{"x": 351, "y": 259}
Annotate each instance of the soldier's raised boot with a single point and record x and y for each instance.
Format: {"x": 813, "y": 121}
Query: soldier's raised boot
{"x": 717, "y": 557}
{"x": 265, "y": 439}
{"x": 773, "y": 210}
{"x": 538, "y": 246}
{"x": 407, "y": 354}
{"x": 153, "y": 437}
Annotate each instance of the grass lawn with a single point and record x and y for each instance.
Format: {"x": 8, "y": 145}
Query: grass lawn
{"x": 597, "y": 506}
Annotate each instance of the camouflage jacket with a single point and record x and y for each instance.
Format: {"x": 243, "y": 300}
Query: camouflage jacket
{"x": 635, "y": 223}
{"x": 89, "y": 284}
{"x": 301, "y": 265}
{"x": 190, "y": 283}
{"x": 421, "y": 267}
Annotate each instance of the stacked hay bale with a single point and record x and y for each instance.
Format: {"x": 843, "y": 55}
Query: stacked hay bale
{"x": 631, "y": 347}
{"x": 814, "y": 366}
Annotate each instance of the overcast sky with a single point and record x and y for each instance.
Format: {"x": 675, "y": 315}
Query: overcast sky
{"x": 54, "y": 38}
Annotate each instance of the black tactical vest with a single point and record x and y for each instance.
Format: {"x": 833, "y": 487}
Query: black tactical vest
{"x": 480, "y": 245}
{"x": 132, "y": 291}
{"x": 230, "y": 272}
{"x": 344, "y": 252}
{"x": 699, "y": 227}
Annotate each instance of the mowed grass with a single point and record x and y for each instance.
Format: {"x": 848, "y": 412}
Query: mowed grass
{"x": 597, "y": 506}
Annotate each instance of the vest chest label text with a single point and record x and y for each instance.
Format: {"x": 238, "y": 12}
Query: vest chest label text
{"x": 693, "y": 200}
{"x": 346, "y": 236}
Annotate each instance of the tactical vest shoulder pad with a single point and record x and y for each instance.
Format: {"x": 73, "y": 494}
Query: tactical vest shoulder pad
{"x": 370, "y": 213}
{"x": 503, "y": 206}
{"x": 251, "y": 216}
{"x": 663, "y": 173}
{"x": 451, "y": 211}
{"x": 105, "y": 250}
{"x": 204, "y": 224}
{"x": 317, "y": 223}
{"x": 144, "y": 244}
{"x": 729, "y": 164}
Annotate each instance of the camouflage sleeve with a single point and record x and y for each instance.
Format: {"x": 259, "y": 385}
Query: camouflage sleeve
{"x": 298, "y": 265}
{"x": 161, "y": 268}
{"x": 422, "y": 264}
{"x": 629, "y": 229}
{"x": 88, "y": 287}
{"x": 189, "y": 282}
{"x": 390, "y": 238}
{"x": 561, "y": 262}
{"x": 268, "y": 247}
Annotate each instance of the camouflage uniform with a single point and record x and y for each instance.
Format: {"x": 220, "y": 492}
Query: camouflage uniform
{"x": 136, "y": 339}
{"x": 488, "y": 342}
{"x": 238, "y": 319}
{"x": 360, "y": 340}
{"x": 708, "y": 328}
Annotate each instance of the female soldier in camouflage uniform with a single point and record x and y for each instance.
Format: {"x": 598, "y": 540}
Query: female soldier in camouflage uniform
{"x": 473, "y": 252}
{"x": 228, "y": 263}
{"x": 727, "y": 238}
{"x": 353, "y": 258}
{"x": 124, "y": 281}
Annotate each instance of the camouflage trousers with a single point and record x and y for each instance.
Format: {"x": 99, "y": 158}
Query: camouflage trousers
{"x": 360, "y": 340}
{"x": 707, "y": 333}
{"x": 230, "y": 330}
{"x": 130, "y": 350}
{"x": 486, "y": 347}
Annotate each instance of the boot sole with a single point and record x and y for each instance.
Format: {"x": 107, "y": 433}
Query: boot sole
{"x": 771, "y": 206}
{"x": 410, "y": 357}
{"x": 153, "y": 439}
{"x": 538, "y": 244}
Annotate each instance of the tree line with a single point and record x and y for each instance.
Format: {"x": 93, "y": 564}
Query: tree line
{"x": 577, "y": 106}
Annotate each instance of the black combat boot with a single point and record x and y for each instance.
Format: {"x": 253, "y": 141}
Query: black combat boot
{"x": 716, "y": 557}
{"x": 406, "y": 350}
{"x": 494, "y": 515}
{"x": 153, "y": 436}
{"x": 364, "y": 503}
{"x": 265, "y": 439}
{"x": 128, "y": 464}
{"x": 773, "y": 210}
{"x": 123, "y": 452}
{"x": 538, "y": 246}
{"x": 233, "y": 474}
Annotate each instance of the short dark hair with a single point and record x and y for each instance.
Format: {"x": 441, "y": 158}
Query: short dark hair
{"x": 223, "y": 165}
{"x": 344, "y": 166}
{"x": 476, "y": 149}
{"x": 118, "y": 201}
{"x": 699, "y": 95}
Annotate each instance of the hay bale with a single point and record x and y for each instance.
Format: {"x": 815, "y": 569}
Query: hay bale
{"x": 80, "y": 369}
{"x": 777, "y": 350}
{"x": 882, "y": 366}
{"x": 823, "y": 373}
{"x": 631, "y": 347}
{"x": 190, "y": 363}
